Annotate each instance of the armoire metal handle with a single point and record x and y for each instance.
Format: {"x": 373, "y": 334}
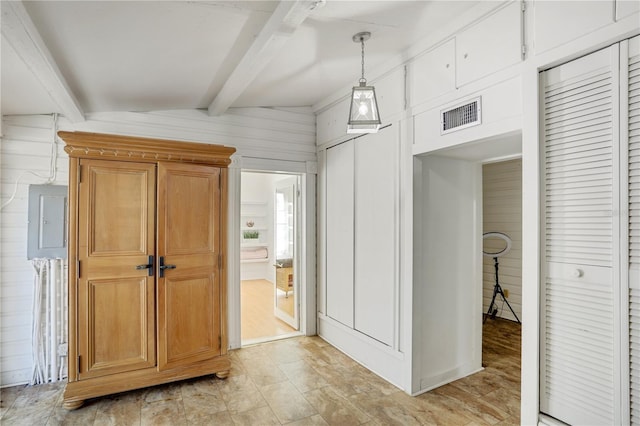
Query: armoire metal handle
{"x": 148, "y": 266}
{"x": 162, "y": 266}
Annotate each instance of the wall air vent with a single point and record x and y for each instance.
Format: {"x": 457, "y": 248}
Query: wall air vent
{"x": 460, "y": 117}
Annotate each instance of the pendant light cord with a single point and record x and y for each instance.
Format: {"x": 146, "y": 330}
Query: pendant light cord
{"x": 362, "y": 79}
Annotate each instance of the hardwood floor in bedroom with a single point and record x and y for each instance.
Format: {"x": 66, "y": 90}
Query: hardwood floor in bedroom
{"x": 297, "y": 381}
{"x": 258, "y": 320}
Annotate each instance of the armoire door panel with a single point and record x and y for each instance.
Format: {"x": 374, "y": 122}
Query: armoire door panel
{"x": 197, "y": 231}
{"x": 118, "y": 201}
{"x": 116, "y": 301}
{"x": 119, "y": 336}
{"x": 189, "y": 315}
{"x": 193, "y": 330}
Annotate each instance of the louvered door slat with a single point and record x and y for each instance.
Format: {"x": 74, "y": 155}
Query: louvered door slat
{"x": 634, "y": 226}
{"x": 584, "y": 117}
{"x": 577, "y": 330}
{"x": 578, "y": 113}
{"x": 564, "y": 142}
{"x": 577, "y": 146}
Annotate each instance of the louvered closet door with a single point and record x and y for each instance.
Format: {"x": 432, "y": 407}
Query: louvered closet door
{"x": 631, "y": 71}
{"x": 580, "y": 359}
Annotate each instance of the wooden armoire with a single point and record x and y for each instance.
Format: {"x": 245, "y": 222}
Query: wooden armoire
{"x": 147, "y": 282}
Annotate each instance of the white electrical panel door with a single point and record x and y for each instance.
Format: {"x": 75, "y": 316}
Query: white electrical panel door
{"x": 47, "y": 231}
{"x": 339, "y": 229}
{"x": 580, "y": 299}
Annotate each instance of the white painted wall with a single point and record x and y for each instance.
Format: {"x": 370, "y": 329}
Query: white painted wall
{"x": 415, "y": 111}
{"x": 283, "y": 137}
{"x": 502, "y": 212}
{"x": 550, "y": 39}
{"x": 437, "y": 78}
{"x": 447, "y": 329}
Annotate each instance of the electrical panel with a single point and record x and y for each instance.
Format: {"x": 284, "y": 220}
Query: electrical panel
{"x": 47, "y": 230}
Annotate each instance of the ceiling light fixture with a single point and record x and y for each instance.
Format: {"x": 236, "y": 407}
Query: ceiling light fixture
{"x": 364, "y": 116}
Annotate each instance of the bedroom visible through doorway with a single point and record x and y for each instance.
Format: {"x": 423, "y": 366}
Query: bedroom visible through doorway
{"x": 269, "y": 259}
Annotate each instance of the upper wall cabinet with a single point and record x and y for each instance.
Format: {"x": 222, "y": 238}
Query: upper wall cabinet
{"x": 390, "y": 94}
{"x": 625, "y": 8}
{"x": 332, "y": 123}
{"x": 559, "y": 22}
{"x": 432, "y": 74}
{"x": 489, "y": 46}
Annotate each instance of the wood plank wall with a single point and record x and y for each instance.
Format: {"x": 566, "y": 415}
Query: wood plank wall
{"x": 502, "y": 212}
{"x": 278, "y": 134}
{"x": 26, "y": 146}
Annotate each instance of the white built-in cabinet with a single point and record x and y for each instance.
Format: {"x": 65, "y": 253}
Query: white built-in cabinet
{"x": 590, "y": 223}
{"x": 361, "y": 234}
{"x": 626, "y": 8}
{"x": 559, "y": 22}
{"x": 478, "y": 62}
{"x": 492, "y": 44}
{"x": 476, "y": 52}
{"x": 340, "y": 232}
{"x": 433, "y": 73}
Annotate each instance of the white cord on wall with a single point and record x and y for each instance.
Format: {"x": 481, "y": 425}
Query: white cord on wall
{"x": 53, "y": 169}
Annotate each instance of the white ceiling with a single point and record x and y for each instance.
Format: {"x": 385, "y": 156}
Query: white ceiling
{"x": 161, "y": 55}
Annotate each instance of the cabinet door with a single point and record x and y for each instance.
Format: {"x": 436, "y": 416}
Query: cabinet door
{"x": 116, "y": 312}
{"x": 189, "y": 311}
{"x": 375, "y": 235}
{"x": 579, "y": 367}
{"x": 340, "y": 228}
{"x": 489, "y": 46}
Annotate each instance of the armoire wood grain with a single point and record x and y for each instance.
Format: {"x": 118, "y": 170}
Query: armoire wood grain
{"x": 133, "y": 200}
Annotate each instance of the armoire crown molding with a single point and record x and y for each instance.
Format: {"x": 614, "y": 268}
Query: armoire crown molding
{"x": 131, "y": 148}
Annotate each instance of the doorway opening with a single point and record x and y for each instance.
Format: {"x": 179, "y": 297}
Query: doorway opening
{"x": 459, "y": 194}
{"x": 502, "y": 245}
{"x": 269, "y": 256}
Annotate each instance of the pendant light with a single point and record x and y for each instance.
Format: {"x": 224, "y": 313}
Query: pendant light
{"x": 364, "y": 116}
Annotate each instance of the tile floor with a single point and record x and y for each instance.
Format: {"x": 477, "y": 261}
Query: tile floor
{"x": 298, "y": 381}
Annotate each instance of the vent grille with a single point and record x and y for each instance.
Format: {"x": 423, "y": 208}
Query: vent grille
{"x": 461, "y": 117}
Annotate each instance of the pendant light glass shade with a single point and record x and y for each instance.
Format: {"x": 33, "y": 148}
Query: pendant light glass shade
{"x": 364, "y": 116}
{"x": 363, "y": 113}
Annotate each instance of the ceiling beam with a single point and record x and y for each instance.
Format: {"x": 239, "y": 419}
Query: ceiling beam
{"x": 21, "y": 33}
{"x": 287, "y": 17}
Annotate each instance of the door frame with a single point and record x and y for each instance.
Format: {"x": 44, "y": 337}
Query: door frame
{"x": 294, "y": 320}
{"x": 307, "y": 238}
{"x": 497, "y": 148}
